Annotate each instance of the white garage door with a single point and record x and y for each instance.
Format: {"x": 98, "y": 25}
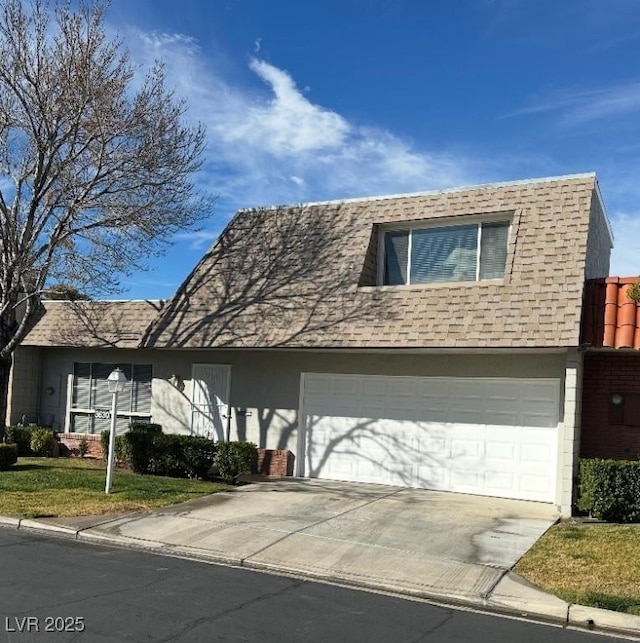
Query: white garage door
{"x": 488, "y": 436}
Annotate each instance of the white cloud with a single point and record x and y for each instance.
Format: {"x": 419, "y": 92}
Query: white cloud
{"x": 270, "y": 143}
{"x": 582, "y": 106}
{"x": 198, "y": 239}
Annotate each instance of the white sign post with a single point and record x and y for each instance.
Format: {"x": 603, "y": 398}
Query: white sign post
{"x": 116, "y": 382}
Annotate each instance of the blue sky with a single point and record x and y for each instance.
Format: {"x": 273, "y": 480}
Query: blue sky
{"x": 315, "y": 100}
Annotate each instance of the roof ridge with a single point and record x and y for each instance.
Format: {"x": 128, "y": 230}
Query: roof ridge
{"x": 103, "y": 301}
{"x": 461, "y": 188}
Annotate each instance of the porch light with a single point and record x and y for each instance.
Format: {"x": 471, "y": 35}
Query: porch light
{"x": 115, "y": 382}
{"x": 617, "y": 399}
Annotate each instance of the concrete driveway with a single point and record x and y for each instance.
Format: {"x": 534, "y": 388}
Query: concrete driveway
{"x": 414, "y": 541}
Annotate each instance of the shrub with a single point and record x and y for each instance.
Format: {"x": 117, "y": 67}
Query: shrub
{"x": 198, "y": 455}
{"x": 140, "y": 442}
{"x": 183, "y": 456}
{"x": 235, "y": 458}
{"x": 83, "y": 446}
{"x": 21, "y": 437}
{"x": 610, "y": 489}
{"x": 121, "y": 455}
{"x": 8, "y": 455}
{"x": 42, "y": 442}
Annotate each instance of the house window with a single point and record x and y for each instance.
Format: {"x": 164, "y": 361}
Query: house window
{"x": 440, "y": 254}
{"x": 91, "y": 400}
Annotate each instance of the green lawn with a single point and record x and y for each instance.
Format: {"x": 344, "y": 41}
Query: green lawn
{"x": 593, "y": 564}
{"x": 36, "y": 487}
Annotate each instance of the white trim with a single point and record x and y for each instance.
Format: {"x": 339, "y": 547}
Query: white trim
{"x": 479, "y": 248}
{"x": 103, "y": 301}
{"x": 470, "y": 220}
{"x": 479, "y": 186}
{"x": 124, "y": 414}
{"x": 381, "y": 255}
{"x": 302, "y": 431}
{"x": 67, "y": 413}
{"x": 409, "y": 249}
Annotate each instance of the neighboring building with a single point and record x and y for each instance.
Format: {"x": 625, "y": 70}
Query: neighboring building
{"x": 428, "y": 340}
{"x": 611, "y": 400}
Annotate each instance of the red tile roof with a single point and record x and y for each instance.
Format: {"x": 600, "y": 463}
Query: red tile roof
{"x": 610, "y": 319}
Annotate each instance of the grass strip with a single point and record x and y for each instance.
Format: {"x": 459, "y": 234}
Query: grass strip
{"x": 39, "y": 487}
{"x": 590, "y": 564}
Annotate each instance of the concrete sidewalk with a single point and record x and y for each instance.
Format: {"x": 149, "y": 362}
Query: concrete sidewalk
{"x": 448, "y": 548}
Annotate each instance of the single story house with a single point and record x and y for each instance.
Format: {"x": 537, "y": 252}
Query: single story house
{"x": 429, "y": 340}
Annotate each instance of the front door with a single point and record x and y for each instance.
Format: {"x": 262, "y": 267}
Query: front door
{"x": 210, "y": 400}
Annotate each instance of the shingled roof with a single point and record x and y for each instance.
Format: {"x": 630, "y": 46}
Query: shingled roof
{"x": 92, "y": 324}
{"x": 305, "y": 276}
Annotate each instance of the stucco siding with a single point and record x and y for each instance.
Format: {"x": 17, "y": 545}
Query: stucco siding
{"x": 24, "y": 386}
{"x": 265, "y": 386}
{"x": 599, "y": 243}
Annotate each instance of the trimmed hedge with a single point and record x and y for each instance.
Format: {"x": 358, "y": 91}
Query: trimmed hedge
{"x": 145, "y": 449}
{"x": 182, "y": 456}
{"x": 21, "y": 437}
{"x": 235, "y": 458}
{"x": 610, "y": 489}
{"x": 8, "y": 455}
{"x": 140, "y": 442}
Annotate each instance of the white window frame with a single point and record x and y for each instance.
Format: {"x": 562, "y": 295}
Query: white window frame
{"x": 478, "y": 220}
{"x": 71, "y": 409}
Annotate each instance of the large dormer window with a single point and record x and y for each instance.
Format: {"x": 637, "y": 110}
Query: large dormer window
{"x": 445, "y": 253}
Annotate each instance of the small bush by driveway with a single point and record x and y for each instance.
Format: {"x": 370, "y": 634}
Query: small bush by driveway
{"x": 589, "y": 564}
{"x": 38, "y": 487}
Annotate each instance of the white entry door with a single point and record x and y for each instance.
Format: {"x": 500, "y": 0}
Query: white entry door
{"x": 486, "y": 436}
{"x": 210, "y": 400}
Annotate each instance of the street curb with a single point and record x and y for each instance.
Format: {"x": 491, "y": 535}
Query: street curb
{"x": 596, "y": 620}
{"x": 36, "y": 525}
{"x": 122, "y": 541}
{"x": 578, "y": 617}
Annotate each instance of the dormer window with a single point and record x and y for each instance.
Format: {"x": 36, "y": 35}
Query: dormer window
{"x": 428, "y": 254}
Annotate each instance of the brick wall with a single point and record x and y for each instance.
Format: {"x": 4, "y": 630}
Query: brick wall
{"x": 275, "y": 462}
{"x": 72, "y": 441}
{"x": 604, "y": 432}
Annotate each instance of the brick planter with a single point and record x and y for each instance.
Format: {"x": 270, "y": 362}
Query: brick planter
{"x": 275, "y": 462}
{"x": 72, "y": 441}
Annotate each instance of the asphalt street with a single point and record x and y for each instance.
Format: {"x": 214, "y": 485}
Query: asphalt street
{"x": 61, "y": 590}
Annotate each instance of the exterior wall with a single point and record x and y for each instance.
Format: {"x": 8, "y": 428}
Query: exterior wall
{"x": 599, "y": 243}
{"x": 24, "y": 386}
{"x": 265, "y": 385}
{"x": 569, "y": 436}
{"x": 604, "y": 434}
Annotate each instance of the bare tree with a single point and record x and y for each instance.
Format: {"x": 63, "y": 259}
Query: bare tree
{"x": 95, "y": 175}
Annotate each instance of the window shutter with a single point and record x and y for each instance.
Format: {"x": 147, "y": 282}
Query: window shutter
{"x": 82, "y": 385}
{"x": 141, "y": 394}
{"x": 493, "y": 249}
{"x": 444, "y": 254}
{"x": 396, "y": 254}
{"x": 101, "y": 396}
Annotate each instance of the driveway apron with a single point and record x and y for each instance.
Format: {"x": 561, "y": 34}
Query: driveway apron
{"x": 408, "y": 540}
